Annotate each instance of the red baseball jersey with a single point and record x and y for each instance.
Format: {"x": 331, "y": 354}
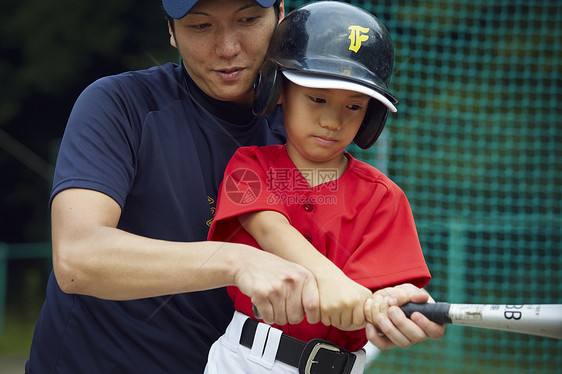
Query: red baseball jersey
{"x": 361, "y": 221}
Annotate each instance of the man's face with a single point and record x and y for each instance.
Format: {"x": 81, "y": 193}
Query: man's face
{"x": 223, "y": 44}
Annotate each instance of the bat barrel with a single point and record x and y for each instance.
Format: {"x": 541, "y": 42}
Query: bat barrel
{"x": 538, "y": 319}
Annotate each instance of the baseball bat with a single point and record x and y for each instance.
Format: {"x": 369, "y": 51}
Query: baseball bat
{"x": 532, "y": 319}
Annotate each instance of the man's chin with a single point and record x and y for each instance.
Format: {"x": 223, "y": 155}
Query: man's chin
{"x": 243, "y": 99}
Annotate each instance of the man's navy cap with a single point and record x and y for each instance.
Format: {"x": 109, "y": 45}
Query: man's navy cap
{"x": 179, "y": 8}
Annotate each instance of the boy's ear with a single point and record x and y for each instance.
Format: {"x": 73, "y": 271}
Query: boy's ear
{"x": 372, "y": 125}
{"x": 267, "y": 89}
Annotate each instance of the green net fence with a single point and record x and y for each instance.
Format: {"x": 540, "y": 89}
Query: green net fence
{"x": 477, "y": 147}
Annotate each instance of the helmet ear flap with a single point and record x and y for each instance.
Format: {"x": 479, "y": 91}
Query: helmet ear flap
{"x": 267, "y": 89}
{"x": 372, "y": 125}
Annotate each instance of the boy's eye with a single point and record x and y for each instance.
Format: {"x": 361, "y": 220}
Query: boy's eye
{"x": 316, "y": 100}
{"x": 354, "y": 107}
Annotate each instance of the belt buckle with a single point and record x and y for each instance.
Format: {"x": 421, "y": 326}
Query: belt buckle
{"x": 310, "y": 352}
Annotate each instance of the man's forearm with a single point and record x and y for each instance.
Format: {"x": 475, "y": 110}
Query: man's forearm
{"x": 113, "y": 264}
{"x": 92, "y": 257}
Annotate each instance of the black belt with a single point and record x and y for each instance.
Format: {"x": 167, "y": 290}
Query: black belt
{"x": 316, "y": 356}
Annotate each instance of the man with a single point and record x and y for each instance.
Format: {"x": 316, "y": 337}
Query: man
{"x": 136, "y": 288}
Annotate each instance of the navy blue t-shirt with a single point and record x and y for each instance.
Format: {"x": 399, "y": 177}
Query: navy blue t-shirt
{"x": 142, "y": 139}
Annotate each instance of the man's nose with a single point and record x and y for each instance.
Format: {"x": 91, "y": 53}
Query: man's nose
{"x": 227, "y": 44}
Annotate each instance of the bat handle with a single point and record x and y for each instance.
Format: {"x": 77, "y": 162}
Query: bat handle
{"x": 256, "y": 311}
{"x": 436, "y": 312}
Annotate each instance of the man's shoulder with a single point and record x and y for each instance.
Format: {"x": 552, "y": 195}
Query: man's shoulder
{"x": 167, "y": 73}
{"x": 156, "y": 84}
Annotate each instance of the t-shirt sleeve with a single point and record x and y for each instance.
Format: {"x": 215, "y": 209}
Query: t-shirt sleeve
{"x": 389, "y": 252}
{"x": 97, "y": 149}
{"x": 244, "y": 189}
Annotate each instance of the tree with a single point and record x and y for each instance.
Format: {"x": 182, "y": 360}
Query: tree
{"x": 51, "y": 50}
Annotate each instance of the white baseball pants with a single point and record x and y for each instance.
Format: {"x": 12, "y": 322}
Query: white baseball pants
{"x": 228, "y": 356}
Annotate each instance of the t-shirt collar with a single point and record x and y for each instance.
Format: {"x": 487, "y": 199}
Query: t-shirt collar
{"x": 224, "y": 110}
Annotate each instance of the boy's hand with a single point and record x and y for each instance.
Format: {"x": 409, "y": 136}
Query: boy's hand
{"x": 377, "y": 305}
{"x": 388, "y": 326}
{"x": 341, "y": 301}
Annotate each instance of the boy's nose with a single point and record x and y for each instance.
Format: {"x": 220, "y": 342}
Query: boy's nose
{"x": 331, "y": 121}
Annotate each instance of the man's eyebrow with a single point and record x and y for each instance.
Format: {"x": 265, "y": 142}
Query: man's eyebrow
{"x": 251, "y": 4}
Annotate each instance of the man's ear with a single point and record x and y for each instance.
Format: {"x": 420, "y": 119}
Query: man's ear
{"x": 281, "y": 10}
{"x": 172, "y": 35}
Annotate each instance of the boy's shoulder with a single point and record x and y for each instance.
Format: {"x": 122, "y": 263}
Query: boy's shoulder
{"x": 267, "y": 151}
{"x": 369, "y": 174}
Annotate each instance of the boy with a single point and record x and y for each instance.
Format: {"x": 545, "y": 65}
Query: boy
{"x": 310, "y": 202}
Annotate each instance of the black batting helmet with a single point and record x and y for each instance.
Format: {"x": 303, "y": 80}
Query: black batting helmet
{"x": 329, "y": 39}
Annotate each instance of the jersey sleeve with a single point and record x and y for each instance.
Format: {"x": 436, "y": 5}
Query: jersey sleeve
{"x": 97, "y": 149}
{"x": 389, "y": 252}
{"x": 244, "y": 189}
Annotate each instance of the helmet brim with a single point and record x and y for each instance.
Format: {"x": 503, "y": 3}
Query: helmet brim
{"x": 317, "y": 81}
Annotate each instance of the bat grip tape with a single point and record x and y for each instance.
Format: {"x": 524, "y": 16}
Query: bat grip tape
{"x": 436, "y": 312}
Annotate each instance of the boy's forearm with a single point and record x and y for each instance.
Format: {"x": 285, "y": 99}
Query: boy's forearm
{"x": 341, "y": 299}
{"x": 275, "y": 234}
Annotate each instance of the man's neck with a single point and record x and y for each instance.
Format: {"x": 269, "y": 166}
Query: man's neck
{"x": 224, "y": 110}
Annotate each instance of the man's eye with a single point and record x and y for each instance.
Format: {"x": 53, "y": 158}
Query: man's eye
{"x": 201, "y": 26}
{"x": 248, "y": 20}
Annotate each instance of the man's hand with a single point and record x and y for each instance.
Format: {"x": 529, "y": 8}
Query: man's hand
{"x": 389, "y": 327}
{"x": 282, "y": 291}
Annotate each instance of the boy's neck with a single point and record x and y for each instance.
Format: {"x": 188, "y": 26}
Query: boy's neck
{"x": 317, "y": 173}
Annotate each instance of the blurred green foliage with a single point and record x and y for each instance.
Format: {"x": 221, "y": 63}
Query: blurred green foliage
{"x": 51, "y": 50}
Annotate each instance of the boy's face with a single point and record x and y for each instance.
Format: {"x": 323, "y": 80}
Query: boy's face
{"x": 320, "y": 123}
{"x": 223, "y": 44}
